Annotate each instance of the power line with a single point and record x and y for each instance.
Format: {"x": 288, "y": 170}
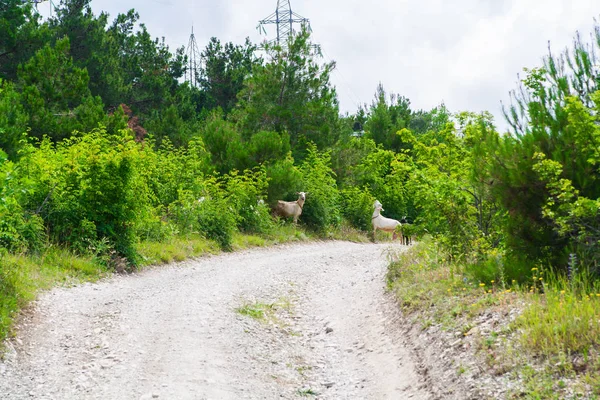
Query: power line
{"x": 353, "y": 96}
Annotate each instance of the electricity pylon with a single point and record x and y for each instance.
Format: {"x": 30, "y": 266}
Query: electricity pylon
{"x": 284, "y": 18}
{"x": 193, "y": 61}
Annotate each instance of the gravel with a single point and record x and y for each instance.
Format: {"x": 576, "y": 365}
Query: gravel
{"x": 330, "y": 331}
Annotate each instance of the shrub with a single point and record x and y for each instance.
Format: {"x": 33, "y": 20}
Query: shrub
{"x": 488, "y": 268}
{"x": 19, "y": 230}
{"x": 211, "y": 217}
{"x": 284, "y": 181}
{"x": 168, "y": 170}
{"x": 244, "y": 193}
{"x": 357, "y": 207}
{"x": 88, "y": 188}
{"x": 322, "y": 207}
{"x": 216, "y": 222}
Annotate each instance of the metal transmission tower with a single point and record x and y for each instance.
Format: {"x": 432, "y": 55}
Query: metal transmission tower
{"x": 36, "y": 2}
{"x": 194, "y": 60}
{"x": 285, "y": 19}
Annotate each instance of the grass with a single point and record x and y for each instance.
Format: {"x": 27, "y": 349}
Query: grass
{"x": 22, "y": 277}
{"x": 267, "y": 312}
{"x": 177, "y": 248}
{"x": 284, "y": 233}
{"x": 551, "y": 350}
{"x": 245, "y": 241}
{"x": 258, "y": 311}
{"x": 305, "y": 392}
{"x": 561, "y": 322}
{"x": 346, "y": 232}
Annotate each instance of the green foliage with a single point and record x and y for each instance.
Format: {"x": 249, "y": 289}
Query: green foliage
{"x": 168, "y": 124}
{"x": 244, "y": 195}
{"x": 14, "y": 15}
{"x": 267, "y": 147}
{"x": 564, "y": 321}
{"x": 21, "y": 34}
{"x": 291, "y": 93}
{"x": 216, "y": 221}
{"x": 322, "y": 207}
{"x": 87, "y": 189}
{"x": 349, "y": 152}
{"x": 385, "y": 174}
{"x": 19, "y": 230}
{"x": 13, "y": 119}
{"x": 357, "y": 207}
{"x": 451, "y": 188}
{"x": 550, "y": 160}
{"x": 210, "y": 216}
{"x": 224, "y": 142}
{"x": 55, "y": 94}
{"x": 285, "y": 180}
{"x": 489, "y": 266}
{"x": 224, "y": 69}
{"x": 574, "y": 216}
{"x": 169, "y": 170}
{"x": 385, "y": 120}
{"x": 9, "y": 297}
{"x": 175, "y": 248}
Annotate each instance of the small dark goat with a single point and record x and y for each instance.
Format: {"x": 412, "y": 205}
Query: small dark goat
{"x": 406, "y": 239}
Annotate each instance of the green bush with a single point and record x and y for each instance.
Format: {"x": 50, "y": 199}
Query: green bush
{"x": 322, "y": 207}
{"x": 285, "y": 180}
{"x": 210, "y": 216}
{"x": 215, "y": 221}
{"x": 19, "y": 230}
{"x": 156, "y": 228}
{"x": 168, "y": 170}
{"x": 357, "y": 207}
{"x": 225, "y": 144}
{"x": 486, "y": 269}
{"x": 88, "y": 188}
{"x": 244, "y": 193}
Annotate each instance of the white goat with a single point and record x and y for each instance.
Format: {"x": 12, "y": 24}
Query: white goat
{"x": 288, "y": 209}
{"x": 382, "y": 223}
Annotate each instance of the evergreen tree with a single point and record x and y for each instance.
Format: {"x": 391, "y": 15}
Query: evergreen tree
{"x": 291, "y": 94}
{"x": 224, "y": 71}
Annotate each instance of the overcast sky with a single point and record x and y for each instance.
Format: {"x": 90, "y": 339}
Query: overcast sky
{"x": 466, "y": 53}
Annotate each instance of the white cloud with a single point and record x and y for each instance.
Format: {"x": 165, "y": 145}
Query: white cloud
{"x": 466, "y": 53}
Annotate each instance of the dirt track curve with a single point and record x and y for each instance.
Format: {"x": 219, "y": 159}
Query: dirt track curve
{"x": 176, "y": 332}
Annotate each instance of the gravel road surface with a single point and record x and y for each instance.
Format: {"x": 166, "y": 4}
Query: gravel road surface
{"x": 287, "y": 322}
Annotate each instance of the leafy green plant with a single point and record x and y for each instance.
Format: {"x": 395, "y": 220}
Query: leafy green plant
{"x": 244, "y": 193}
{"x": 88, "y": 188}
{"x": 215, "y": 221}
{"x": 285, "y": 180}
{"x": 322, "y": 206}
{"x": 357, "y": 207}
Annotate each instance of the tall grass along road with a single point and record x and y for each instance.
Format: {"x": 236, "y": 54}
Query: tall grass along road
{"x": 308, "y": 320}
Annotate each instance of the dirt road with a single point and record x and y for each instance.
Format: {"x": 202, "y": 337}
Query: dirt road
{"x": 293, "y": 321}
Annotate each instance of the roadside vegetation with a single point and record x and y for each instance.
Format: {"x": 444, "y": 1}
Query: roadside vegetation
{"x": 109, "y": 162}
{"x": 513, "y": 220}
